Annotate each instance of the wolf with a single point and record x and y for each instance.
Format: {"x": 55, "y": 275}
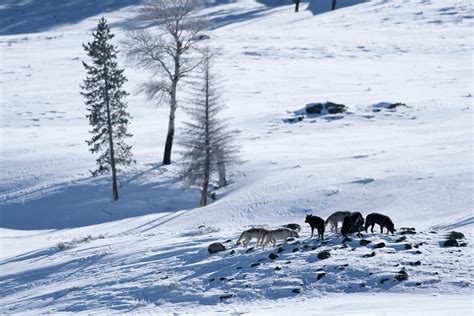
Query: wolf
{"x": 278, "y": 234}
{"x": 382, "y": 220}
{"x": 293, "y": 226}
{"x": 335, "y": 218}
{"x": 352, "y": 223}
{"x": 316, "y": 222}
{"x": 249, "y": 234}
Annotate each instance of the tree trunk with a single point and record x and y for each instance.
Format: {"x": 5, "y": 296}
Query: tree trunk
{"x": 221, "y": 169}
{"x": 207, "y": 163}
{"x": 170, "y": 135}
{"x": 333, "y": 5}
{"x": 297, "y": 5}
{"x": 111, "y": 145}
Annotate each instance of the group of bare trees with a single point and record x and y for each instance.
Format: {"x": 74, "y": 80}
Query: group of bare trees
{"x": 166, "y": 44}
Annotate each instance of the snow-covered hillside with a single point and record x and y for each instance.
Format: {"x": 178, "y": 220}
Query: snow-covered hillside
{"x": 146, "y": 253}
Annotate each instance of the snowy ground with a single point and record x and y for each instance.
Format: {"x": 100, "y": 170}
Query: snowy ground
{"x": 145, "y": 252}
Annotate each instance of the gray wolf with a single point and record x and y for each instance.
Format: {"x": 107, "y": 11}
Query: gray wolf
{"x": 335, "y": 218}
{"x": 316, "y": 222}
{"x": 352, "y": 223}
{"x": 382, "y": 220}
{"x": 249, "y": 234}
{"x": 279, "y": 234}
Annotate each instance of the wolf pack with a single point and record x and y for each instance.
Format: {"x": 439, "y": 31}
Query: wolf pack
{"x": 352, "y": 222}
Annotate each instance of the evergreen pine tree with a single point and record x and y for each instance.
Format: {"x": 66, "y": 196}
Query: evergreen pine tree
{"x": 104, "y": 97}
{"x": 208, "y": 143}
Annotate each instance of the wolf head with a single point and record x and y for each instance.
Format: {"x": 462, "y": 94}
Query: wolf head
{"x": 294, "y": 234}
{"x": 308, "y": 218}
{"x": 390, "y": 226}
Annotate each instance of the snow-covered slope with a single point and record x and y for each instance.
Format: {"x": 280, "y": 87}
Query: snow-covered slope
{"x": 413, "y": 163}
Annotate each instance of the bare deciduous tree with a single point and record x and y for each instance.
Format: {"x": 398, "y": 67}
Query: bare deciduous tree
{"x": 208, "y": 143}
{"x": 167, "y": 50}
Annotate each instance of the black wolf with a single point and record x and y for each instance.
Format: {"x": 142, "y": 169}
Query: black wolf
{"x": 352, "y": 223}
{"x": 316, "y": 222}
{"x": 382, "y": 220}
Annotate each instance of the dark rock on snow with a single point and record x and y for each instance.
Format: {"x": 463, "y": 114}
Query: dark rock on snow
{"x": 324, "y": 255}
{"x": 372, "y": 254}
{"x": 364, "y": 242}
{"x": 401, "y": 276}
{"x": 273, "y": 256}
{"x": 215, "y": 247}
{"x": 320, "y": 275}
{"x": 379, "y": 245}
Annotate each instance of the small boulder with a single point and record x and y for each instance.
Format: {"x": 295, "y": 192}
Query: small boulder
{"x": 455, "y": 235}
{"x": 250, "y": 250}
{"x": 296, "y": 249}
{"x": 277, "y": 268}
{"x": 407, "y": 231}
{"x": 403, "y": 238}
{"x": 280, "y": 249}
{"x": 416, "y": 263}
{"x": 379, "y": 245}
{"x": 364, "y": 242}
{"x": 402, "y": 275}
{"x": 368, "y": 255}
{"x": 408, "y": 247}
{"x": 324, "y": 255}
{"x": 296, "y": 291}
{"x": 232, "y": 252}
{"x": 320, "y": 275}
{"x": 215, "y": 248}
{"x": 273, "y": 256}
{"x": 226, "y": 296}
{"x": 451, "y": 243}
{"x": 255, "y": 264}
{"x": 384, "y": 280}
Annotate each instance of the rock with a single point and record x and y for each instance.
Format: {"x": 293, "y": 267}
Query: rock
{"x": 211, "y": 279}
{"x": 384, "y": 280}
{"x": 334, "y": 108}
{"x": 314, "y": 108}
{"x": 451, "y": 243}
{"x": 455, "y": 235}
{"x": 346, "y": 239}
{"x": 227, "y": 241}
{"x": 280, "y": 249}
{"x": 288, "y": 262}
{"x": 296, "y": 291}
{"x": 364, "y": 242}
{"x": 296, "y": 249}
{"x": 255, "y": 264}
{"x": 238, "y": 268}
{"x": 417, "y": 252}
{"x": 329, "y": 107}
{"x": 418, "y": 284}
{"x": 222, "y": 278}
{"x": 320, "y": 275}
{"x": 379, "y": 245}
{"x": 232, "y": 252}
{"x": 407, "y": 231}
{"x": 273, "y": 256}
{"x": 408, "y": 246}
{"x": 226, "y": 296}
{"x": 401, "y": 276}
{"x": 201, "y": 37}
{"x": 305, "y": 247}
{"x": 403, "y": 238}
{"x": 61, "y": 246}
{"x": 463, "y": 244}
{"x": 362, "y": 284}
{"x": 416, "y": 263}
{"x": 324, "y": 255}
{"x": 386, "y": 105}
{"x": 277, "y": 268}
{"x": 368, "y": 255}
{"x": 294, "y": 119}
{"x": 215, "y": 247}
{"x": 250, "y": 250}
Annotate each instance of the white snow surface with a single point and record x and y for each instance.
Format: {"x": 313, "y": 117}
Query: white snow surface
{"x": 66, "y": 247}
